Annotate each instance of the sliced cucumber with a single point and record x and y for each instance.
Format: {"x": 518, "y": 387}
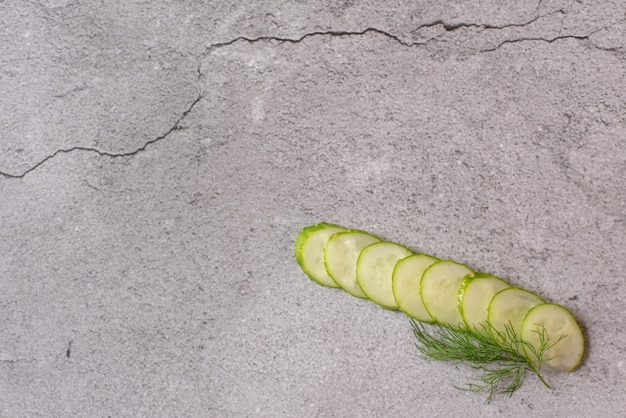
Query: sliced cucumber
{"x": 309, "y": 251}
{"x": 444, "y": 292}
{"x": 406, "y": 279}
{"x": 507, "y": 310}
{"x": 475, "y": 293}
{"x": 340, "y": 256}
{"x": 550, "y": 322}
{"x": 439, "y": 290}
{"x": 374, "y": 270}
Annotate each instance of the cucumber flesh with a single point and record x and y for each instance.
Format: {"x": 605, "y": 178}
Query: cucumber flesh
{"x": 309, "y": 251}
{"x": 507, "y": 309}
{"x": 475, "y": 293}
{"x": 340, "y": 257}
{"x": 439, "y": 289}
{"x": 557, "y": 322}
{"x": 374, "y": 270}
{"x": 406, "y": 279}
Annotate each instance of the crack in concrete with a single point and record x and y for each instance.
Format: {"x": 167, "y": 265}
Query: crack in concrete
{"x": 175, "y": 127}
{"x": 331, "y": 33}
{"x": 537, "y": 39}
{"x": 448, "y": 27}
{"x": 556, "y": 38}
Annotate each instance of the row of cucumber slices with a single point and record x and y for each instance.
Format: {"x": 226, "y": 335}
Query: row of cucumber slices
{"x": 438, "y": 291}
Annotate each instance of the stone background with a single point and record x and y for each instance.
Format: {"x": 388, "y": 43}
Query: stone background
{"x": 157, "y": 159}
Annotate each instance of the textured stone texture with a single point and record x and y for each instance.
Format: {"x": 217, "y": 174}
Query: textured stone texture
{"x": 157, "y": 159}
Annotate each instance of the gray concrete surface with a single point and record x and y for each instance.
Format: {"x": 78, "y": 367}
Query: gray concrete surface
{"x": 158, "y": 158}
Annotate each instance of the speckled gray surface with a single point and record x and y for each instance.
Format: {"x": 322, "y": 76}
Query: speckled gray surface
{"x": 158, "y": 159}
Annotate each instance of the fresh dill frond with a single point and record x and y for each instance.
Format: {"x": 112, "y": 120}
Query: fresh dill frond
{"x": 507, "y": 378}
{"x": 497, "y": 355}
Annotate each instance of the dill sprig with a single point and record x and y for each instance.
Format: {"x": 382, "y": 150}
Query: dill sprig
{"x": 496, "y": 354}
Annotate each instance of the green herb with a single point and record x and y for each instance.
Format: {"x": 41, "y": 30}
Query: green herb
{"x": 495, "y": 354}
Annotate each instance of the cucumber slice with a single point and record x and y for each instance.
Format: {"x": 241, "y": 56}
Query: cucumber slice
{"x": 374, "y": 270}
{"x": 558, "y": 323}
{"x": 439, "y": 290}
{"x": 475, "y": 293}
{"x": 309, "y": 251}
{"x": 406, "y": 279}
{"x": 340, "y": 256}
{"x": 507, "y": 309}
